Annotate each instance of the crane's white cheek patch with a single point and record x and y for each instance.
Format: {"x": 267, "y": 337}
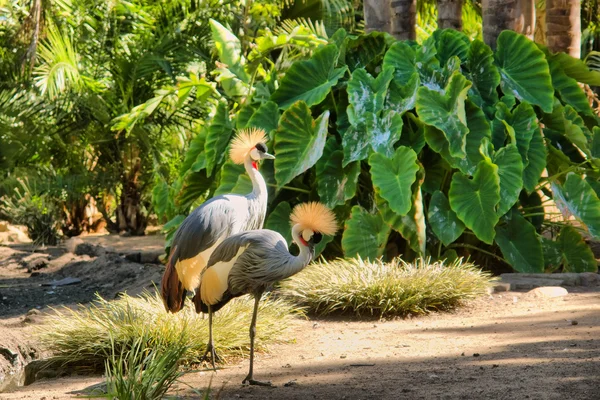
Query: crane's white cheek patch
{"x": 254, "y": 154}
{"x": 307, "y": 234}
{"x": 215, "y": 280}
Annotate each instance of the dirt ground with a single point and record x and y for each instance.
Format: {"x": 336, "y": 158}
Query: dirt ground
{"x": 509, "y": 345}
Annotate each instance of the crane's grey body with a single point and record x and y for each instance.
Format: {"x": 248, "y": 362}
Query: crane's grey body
{"x": 203, "y": 230}
{"x": 251, "y": 261}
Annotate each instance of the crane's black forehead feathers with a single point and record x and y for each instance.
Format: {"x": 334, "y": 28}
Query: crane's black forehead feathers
{"x": 261, "y": 147}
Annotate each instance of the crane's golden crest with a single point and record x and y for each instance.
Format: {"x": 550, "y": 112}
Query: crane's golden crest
{"x": 244, "y": 142}
{"x": 314, "y": 216}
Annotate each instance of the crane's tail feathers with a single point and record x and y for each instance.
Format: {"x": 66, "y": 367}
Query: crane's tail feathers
{"x": 314, "y": 216}
{"x": 172, "y": 290}
{"x": 244, "y": 142}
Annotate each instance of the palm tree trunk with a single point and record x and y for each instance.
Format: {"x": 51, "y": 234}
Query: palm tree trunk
{"x": 525, "y": 18}
{"x": 500, "y": 15}
{"x": 450, "y": 14}
{"x": 563, "y": 26}
{"x": 397, "y": 17}
{"x": 404, "y": 19}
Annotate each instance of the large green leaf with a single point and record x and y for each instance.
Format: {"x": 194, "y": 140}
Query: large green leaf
{"x": 447, "y": 111}
{"x": 195, "y": 184}
{"x": 230, "y": 173}
{"x": 366, "y": 94}
{"x": 279, "y": 221}
{"x": 378, "y": 134}
{"x": 364, "y": 51}
{"x": 310, "y": 80}
{"x": 483, "y": 73}
{"x": 523, "y": 70}
{"x": 402, "y": 98}
{"x": 519, "y": 243}
{"x": 217, "y": 138}
{"x": 403, "y": 58}
{"x": 394, "y": 177}
{"x": 576, "y": 254}
{"x": 577, "y": 69}
{"x": 299, "y": 142}
{"x": 570, "y": 91}
{"x": 474, "y": 200}
{"x": 365, "y": 234}
{"x": 449, "y": 43}
{"x": 229, "y": 48}
{"x": 595, "y": 147}
{"x": 195, "y": 158}
{"x": 479, "y": 132}
{"x": 411, "y": 226}
{"x": 510, "y": 171}
{"x": 524, "y": 122}
{"x": 536, "y": 155}
{"x": 266, "y": 117}
{"x": 578, "y": 198}
{"x": 335, "y": 184}
{"x": 413, "y": 133}
{"x": 444, "y": 222}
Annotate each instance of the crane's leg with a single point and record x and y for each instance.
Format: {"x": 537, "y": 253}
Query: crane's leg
{"x": 210, "y": 347}
{"x": 249, "y": 378}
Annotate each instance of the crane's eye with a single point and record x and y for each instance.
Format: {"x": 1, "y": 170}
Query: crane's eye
{"x": 261, "y": 147}
{"x": 317, "y": 238}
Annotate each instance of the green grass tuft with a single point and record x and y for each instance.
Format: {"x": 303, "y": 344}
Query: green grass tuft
{"x": 90, "y": 334}
{"x": 140, "y": 372}
{"x": 385, "y": 289}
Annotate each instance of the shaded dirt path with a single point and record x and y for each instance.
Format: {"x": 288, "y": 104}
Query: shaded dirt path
{"x": 508, "y": 346}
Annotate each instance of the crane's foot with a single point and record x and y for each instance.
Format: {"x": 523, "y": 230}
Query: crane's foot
{"x": 249, "y": 381}
{"x": 214, "y": 357}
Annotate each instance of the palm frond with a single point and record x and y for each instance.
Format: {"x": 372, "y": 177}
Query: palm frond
{"x": 59, "y": 70}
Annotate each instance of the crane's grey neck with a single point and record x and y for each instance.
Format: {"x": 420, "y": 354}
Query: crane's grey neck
{"x": 259, "y": 187}
{"x": 307, "y": 252}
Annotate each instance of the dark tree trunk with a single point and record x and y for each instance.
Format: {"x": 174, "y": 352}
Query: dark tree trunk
{"x": 130, "y": 218}
{"x": 392, "y": 16}
{"x": 563, "y": 26}
{"x": 514, "y": 15}
{"x": 450, "y": 14}
{"x": 404, "y": 19}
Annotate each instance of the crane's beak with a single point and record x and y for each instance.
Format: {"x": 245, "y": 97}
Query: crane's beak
{"x": 268, "y": 156}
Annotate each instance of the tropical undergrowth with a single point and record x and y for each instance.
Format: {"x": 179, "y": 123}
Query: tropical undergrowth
{"x": 442, "y": 149}
{"x": 384, "y": 289}
{"x": 109, "y": 330}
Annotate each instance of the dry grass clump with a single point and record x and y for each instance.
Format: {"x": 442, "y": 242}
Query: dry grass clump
{"x": 90, "y": 334}
{"x": 385, "y": 289}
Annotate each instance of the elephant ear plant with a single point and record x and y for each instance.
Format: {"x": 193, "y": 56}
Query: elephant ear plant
{"x": 443, "y": 148}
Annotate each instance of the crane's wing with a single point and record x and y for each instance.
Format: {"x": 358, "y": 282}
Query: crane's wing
{"x": 199, "y": 232}
{"x": 249, "y": 247}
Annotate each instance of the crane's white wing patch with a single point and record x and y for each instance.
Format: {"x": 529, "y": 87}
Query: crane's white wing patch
{"x": 190, "y": 270}
{"x": 214, "y": 279}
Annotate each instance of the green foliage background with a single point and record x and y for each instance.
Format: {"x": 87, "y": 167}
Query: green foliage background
{"x": 435, "y": 149}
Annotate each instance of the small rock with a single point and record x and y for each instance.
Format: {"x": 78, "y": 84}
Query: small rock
{"x": 589, "y": 279}
{"x": 574, "y": 322}
{"x": 290, "y": 383}
{"x": 475, "y": 354}
{"x": 315, "y": 325}
{"x": 63, "y": 282}
{"x": 9, "y": 355}
{"x": 343, "y": 356}
{"x": 501, "y": 287}
{"x": 549, "y": 292}
{"x": 91, "y": 250}
{"x": 33, "y": 311}
{"x": 286, "y": 366}
{"x": 72, "y": 244}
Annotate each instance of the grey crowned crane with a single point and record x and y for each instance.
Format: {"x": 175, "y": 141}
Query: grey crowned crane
{"x": 250, "y": 262}
{"x": 215, "y": 220}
